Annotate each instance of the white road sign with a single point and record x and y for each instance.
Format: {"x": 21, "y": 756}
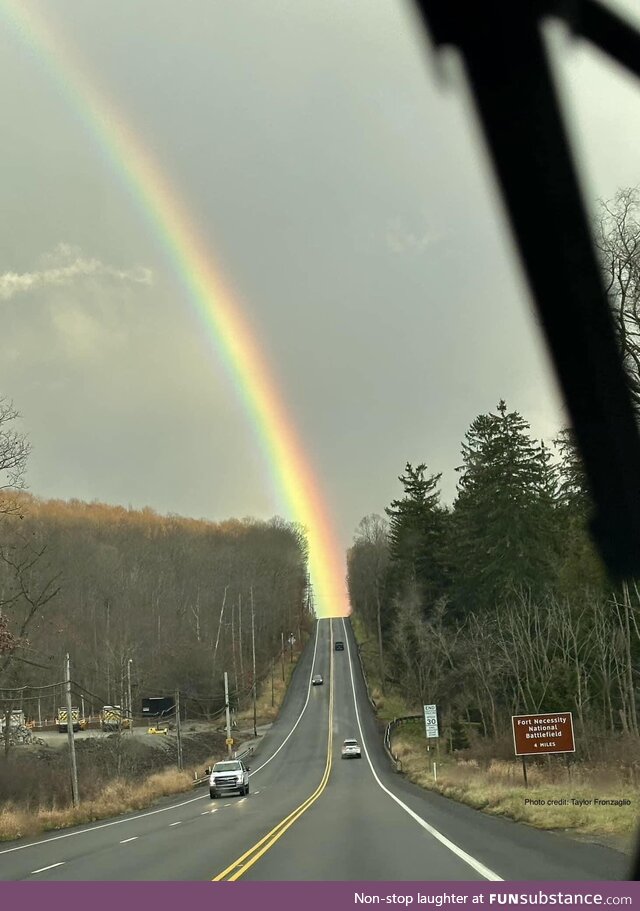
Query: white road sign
{"x": 431, "y": 720}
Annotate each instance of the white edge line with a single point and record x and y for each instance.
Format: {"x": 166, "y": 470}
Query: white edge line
{"x": 103, "y": 825}
{"x": 117, "y": 822}
{"x": 313, "y": 661}
{"x": 467, "y": 858}
{"x": 60, "y": 863}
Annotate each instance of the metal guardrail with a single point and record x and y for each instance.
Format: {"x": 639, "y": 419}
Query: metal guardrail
{"x": 248, "y": 752}
{"x": 390, "y": 728}
{"x": 397, "y": 763}
{"x": 364, "y": 677}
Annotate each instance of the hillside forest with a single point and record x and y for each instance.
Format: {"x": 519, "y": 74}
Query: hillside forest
{"x": 183, "y": 600}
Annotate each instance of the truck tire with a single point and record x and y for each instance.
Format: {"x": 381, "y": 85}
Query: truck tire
{"x": 212, "y": 794}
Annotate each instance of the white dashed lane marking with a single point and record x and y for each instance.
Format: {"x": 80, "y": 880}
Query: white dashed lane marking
{"x": 50, "y": 867}
{"x": 118, "y": 822}
{"x": 175, "y": 823}
{"x": 126, "y": 841}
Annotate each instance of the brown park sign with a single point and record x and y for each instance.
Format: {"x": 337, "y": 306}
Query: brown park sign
{"x": 550, "y": 733}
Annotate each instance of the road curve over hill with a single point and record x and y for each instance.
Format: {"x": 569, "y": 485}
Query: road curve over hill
{"x": 311, "y": 815}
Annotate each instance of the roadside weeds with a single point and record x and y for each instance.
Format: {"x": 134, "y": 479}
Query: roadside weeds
{"x": 118, "y": 796}
{"x": 267, "y": 712}
{"x": 499, "y": 790}
{"x": 496, "y": 787}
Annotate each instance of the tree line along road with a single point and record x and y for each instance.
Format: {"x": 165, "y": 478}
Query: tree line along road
{"x": 311, "y": 816}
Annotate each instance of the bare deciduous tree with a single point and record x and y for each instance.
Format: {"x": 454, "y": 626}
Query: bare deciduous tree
{"x": 617, "y": 238}
{"x": 368, "y": 562}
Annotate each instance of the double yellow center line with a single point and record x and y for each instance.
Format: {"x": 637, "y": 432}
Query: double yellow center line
{"x": 240, "y": 866}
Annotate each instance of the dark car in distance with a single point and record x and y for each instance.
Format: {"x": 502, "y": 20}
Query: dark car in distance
{"x": 339, "y": 646}
{"x": 317, "y": 680}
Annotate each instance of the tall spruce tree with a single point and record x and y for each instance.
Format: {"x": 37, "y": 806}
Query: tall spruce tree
{"x": 573, "y": 489}
{"x": 417, "y": 529}
{"x": 504, "y": 515}
{"x": 580, "y": 566}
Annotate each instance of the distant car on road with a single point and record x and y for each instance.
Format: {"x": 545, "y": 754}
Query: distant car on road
{"x": 230, "y": 775}
{"x": 339, "y": 646}
{"x": 351, "y": 749}
{"x": 317, "y": 680}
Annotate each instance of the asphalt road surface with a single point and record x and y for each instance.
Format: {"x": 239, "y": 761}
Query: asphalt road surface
{"x": 311, "y": 815}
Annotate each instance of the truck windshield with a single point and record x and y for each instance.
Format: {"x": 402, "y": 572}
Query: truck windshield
{"x": 226, "y": 767}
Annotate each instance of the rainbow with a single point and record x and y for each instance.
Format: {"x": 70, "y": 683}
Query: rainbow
{"x": 218, "y": 310}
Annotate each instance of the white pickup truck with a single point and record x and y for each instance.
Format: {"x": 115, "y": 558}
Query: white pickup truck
{"x": 230, "y": 775}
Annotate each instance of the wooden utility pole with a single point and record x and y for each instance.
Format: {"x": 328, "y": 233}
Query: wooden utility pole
{"x": 233, "y": 647}
{"x": 129, "y": 695}
{"x": 253, "y": 649}
{"x": 72, "y": 747}
{"x": 108, "y": 652}
{"x": 8, "y": 714}
{"x": 215, "y": 650}
{"x": 226, "y": 707}
{"x": 282, "y": 654}
{"x": 240, "y": 639}
{"x": 178, "y": 730}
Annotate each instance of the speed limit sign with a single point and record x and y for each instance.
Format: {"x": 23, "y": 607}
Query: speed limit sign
{"x": 431, "y": 721}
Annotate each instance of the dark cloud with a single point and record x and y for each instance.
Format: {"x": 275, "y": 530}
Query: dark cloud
{"x": 346, "y": 194}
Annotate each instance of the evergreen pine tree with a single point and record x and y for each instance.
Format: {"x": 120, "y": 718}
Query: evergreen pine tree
{"x": 504, "y": 516}
{"x": 417, "y": 526}
{"x": 580, "y": 566}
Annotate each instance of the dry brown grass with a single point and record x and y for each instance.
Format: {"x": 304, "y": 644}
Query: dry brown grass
{"x": 117, "y": 797}
{"x": 265, "y": 711}
{"x": 498, "y": 788}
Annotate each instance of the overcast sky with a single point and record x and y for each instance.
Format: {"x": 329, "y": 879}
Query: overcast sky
{"x": 343, "y": 188}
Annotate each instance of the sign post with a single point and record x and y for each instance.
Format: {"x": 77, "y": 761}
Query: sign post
{"x": 542, "y": 734}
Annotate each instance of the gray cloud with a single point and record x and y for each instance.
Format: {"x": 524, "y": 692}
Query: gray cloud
{"x": 347, "y": 197}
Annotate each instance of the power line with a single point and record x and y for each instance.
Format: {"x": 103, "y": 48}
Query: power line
{"x": 28, "y": 686}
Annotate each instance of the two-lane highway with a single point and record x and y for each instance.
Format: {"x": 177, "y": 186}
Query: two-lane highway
{"x": 372, "y": 824}
{"x": 193, "y": 837}
{"x": 311, "y": 815}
